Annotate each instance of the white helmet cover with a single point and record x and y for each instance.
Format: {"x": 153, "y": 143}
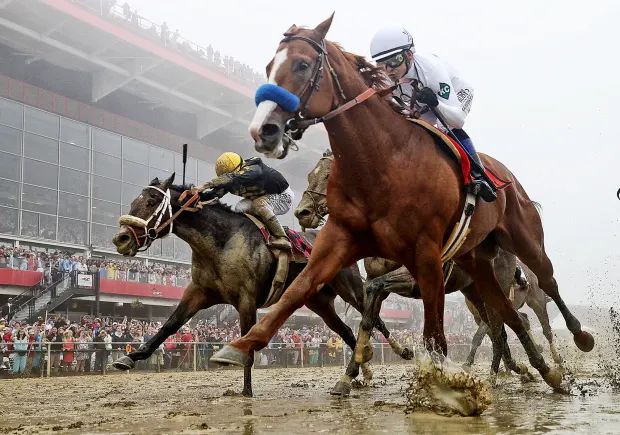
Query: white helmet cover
{"x": 389, "y": 41}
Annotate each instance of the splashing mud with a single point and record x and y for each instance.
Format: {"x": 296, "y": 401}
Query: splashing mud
{"x": 611, "y": 369}
{"x": 446, "y": 389}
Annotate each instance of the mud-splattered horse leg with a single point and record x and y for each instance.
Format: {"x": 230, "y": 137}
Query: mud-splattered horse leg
{"x": 194, "y": 299}
{"x": 322, "y": 304}
{"x": 247, "y": 319}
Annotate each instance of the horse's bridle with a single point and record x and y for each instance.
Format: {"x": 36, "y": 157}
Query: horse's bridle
{"x": 150, "y": 234}
{"x": 295, "y": 127}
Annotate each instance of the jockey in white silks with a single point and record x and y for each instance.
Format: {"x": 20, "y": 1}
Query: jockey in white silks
{"x": 443, "y": 89}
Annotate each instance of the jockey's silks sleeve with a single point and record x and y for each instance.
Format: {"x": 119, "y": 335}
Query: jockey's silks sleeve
{"x": 253, "y": 180}
{"x": 454, "y": 94}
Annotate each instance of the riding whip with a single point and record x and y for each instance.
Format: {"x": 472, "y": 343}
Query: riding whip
{"x": 184, "y": 161}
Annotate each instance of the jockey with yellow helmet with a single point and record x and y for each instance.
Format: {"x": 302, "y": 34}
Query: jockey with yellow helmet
{"x": 265, "y": 192}
{"x": 444, "y": 89}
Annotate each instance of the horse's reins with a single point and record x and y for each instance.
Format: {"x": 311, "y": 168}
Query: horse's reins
{"x": 299, "y": 123}
{"x": 165, "y": 207}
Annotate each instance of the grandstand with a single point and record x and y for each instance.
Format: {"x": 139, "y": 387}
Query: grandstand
{"x": 95, "y": 101}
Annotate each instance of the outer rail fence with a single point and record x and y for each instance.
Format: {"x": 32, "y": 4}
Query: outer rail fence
{"x": 53, "y": 359}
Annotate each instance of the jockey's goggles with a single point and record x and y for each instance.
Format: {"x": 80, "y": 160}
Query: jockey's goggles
{"x": 394, "y": 61}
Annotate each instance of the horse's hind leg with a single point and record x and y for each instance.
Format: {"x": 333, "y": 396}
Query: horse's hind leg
{"x": 322, "y": 304}
{"x": 375, "y": 297}
{"x": 480, "y": 268}
{"x": 539, "y": 306}
{"x": 194, "y": 299}
{"x": 527, "y": 243}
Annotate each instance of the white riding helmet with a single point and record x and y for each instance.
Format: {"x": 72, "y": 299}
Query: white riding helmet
{"x": 389, "y": 41}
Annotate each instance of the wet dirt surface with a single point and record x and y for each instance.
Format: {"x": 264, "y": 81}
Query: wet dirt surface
{"x": 288, "y": 401}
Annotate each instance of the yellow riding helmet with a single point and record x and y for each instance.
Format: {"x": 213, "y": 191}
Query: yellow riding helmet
{"x": 228, "y": 162}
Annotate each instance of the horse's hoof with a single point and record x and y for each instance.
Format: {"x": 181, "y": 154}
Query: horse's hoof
{"x": 584, "y": 341}
{"x": 124, "y": 363}
{"x": 553, "y": 378}
{"x": 342, "y": 389}
{"x": 246, "y": 393}
{"x": 407, "y": 354}
{"x": 230, "y": 355}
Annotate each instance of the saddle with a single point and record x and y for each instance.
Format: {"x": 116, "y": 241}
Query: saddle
{"x": 455, "y": 151}
{"x": 301, "y": 249}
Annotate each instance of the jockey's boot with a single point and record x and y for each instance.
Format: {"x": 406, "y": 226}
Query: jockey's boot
{"x": 482, "y": 185}
{"x": 278, "y": 239}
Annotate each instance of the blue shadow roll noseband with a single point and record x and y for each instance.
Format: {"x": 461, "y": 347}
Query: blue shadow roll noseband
{"x": 288, "y": 101}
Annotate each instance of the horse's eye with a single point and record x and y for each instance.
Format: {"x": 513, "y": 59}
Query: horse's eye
{"x": 150, "y": 202}
{"x": 302, "y": 66}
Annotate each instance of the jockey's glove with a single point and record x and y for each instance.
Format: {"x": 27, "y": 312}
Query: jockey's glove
{"x": 427, "y": 96}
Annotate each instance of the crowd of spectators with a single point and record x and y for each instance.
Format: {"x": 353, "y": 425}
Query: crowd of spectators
{"x": 91, "y": 344}
{"x": 173, "y": 39}
{"x": 55, "y": 264}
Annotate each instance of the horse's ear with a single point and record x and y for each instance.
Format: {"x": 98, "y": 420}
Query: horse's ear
{"x": 323, "y": 28}
{"x": 291, "y": 30}
{"x": 154, "y": 182}
{"x": 327, "y": 153}
{"x": 167, "y": 183}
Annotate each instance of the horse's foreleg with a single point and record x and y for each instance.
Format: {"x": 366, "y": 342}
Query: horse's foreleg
{"x": 334, "y": 249}
{"x": 194, "y": 299}
{"x": 375, "y": 296}
{"x": 247, "y": 319}
{"x": 323, "y": 305}
{"x": 540, "y": 309}
{"x": 429, "y": 277}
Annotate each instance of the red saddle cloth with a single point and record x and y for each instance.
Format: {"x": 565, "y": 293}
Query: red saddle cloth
{"x": 299, "y": 242}
{"x": 456, "y": 151}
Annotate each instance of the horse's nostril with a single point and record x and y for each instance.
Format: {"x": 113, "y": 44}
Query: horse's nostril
{"x": 122, "y": 238}
{"x": 270, "y": 130}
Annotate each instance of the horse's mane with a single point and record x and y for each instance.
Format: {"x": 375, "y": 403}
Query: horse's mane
{"x": 373, "y": 76}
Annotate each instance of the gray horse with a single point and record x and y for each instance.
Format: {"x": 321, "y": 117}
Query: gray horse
{"x": 231, "y": 264}
{"x": 386, "y": 276}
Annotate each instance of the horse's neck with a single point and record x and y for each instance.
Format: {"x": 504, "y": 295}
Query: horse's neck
{"x": 206, "y": 231}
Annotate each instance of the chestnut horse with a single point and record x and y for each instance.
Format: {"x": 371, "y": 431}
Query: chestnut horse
{"x": 392, "y": 193}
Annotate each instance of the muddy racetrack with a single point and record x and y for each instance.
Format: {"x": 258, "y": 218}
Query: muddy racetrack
{"x": 286, "y": 401}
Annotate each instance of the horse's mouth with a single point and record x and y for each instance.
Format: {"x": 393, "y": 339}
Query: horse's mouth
{"x": 125, "y": 245}
{"x": 312, "y": 221}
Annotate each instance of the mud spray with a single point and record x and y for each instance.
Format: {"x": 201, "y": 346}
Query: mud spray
{"x": 610, "y": 367}
{"x": 445, "y": 389}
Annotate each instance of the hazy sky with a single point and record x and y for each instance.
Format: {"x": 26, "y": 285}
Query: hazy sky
{"x": 545, "y": 80}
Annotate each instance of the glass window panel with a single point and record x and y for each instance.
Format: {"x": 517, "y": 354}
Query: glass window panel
{"x": 104, "y": 188}
{"x": 41, "y": 148}
{"x": 167, "y": 247}
{"x": 158, "y": 173}
{"x": 10, "y": 139}
{"x": 135, "y": 173}
{"x": 107, "y": 165}
{"x": 155, "y": 249}
{"x": 106, "y": 212}
{"x": 39, "y": 199}
{"x": 106, "y": 142}
{"x": 9, "y": 193}
{"x": 135, "y": 151}
{"x": 73, "y": 206}
{"x": 102, "y": 235}
{"x": 190, "y": 170}
{"x": 11, "y": 113}
{"x": 72, "y": 231}
{"x": 205, "y": 171}
{"x": 73, "y": 181}
{"x": 38, "y": 225}
{"x": 182, "y": 251}
{"x": 74, "y": 157}
{"x": 8, "y": 220}
{"x": 130, "y": 192}
{"x": 10, "y": 166}
{"x": 73, "y": 132}
{"x": 40, "y": 174}
{"x": 45, "y": 123}
{"x": 161, "y": 158}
